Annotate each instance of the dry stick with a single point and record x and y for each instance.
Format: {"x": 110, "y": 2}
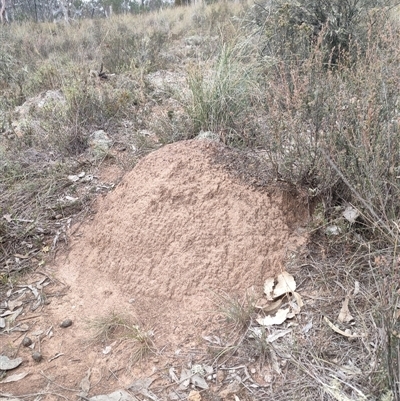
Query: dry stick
{"x": 28, "y": 318}
{"x": 360, "y": 198}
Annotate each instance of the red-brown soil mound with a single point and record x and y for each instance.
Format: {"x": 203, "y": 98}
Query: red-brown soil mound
{"x": 177, "y": 229}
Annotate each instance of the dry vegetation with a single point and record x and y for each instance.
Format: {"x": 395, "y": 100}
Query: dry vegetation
{"x": 313, "y": 90}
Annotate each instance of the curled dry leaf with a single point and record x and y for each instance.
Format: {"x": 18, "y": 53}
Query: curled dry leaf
{"x": 296, "y": 303}
{"x": 278, "y": 318}
{"x": 269, "y": 307}
{"x": 283, "y": 294}
{"x": 276, "y": 287}
{"x": 285, "y": 284}
{"x": 268, "y": 288}
{"x": 344, "y": 315}
{"x": 346, "y": 333}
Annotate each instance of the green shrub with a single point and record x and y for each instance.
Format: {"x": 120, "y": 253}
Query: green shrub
{"x": 339, "y": 28}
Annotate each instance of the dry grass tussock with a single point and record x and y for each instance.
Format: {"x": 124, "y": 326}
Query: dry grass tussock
{"x": 119, "y": 328}
{"x": 309, "y": 89}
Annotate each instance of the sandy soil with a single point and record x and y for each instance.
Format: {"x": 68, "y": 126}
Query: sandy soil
{"x": 178, "y": 230}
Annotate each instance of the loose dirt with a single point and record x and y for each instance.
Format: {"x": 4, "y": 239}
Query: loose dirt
{"x": 176, "y": 232}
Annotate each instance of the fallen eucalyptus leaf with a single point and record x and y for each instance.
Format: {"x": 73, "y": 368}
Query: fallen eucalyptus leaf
{"x": 15, "y": 378}
{"x": 85, "y": 382}
{"x": 198, "y": 381}
{"x": 184, "y": 380}
{"x": 141, "y": 386}
{"x": 7, "y": 364}
{"x": 346, "y": 333}
{"x": 14, "y": 304}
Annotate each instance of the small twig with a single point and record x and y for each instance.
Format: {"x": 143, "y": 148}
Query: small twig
{"x": 27, "y": 318}
{"x": 56, "y": 356}
{"x": 112, "y": 374}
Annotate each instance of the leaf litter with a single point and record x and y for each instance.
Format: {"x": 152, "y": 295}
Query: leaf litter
{"x": 282, "y": 301}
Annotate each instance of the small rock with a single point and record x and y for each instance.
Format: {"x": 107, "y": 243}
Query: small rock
{"x": 37, "y": 356}
{"x": 26, "y": 342}
{"x": 100, "y": 143}
{"x": 208, "y": 135}
{"x": 66, "y": 323}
